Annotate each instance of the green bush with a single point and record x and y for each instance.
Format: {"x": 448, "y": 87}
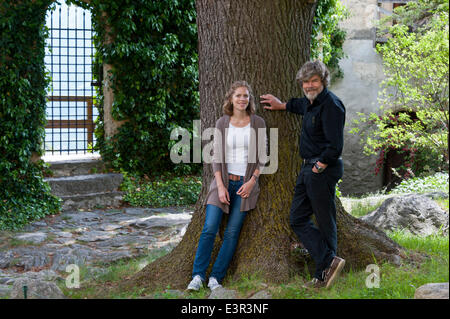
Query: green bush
{"x": 433, "y": 183}
{"x": 164, "y": 191}
{"x": 24, "y": 196}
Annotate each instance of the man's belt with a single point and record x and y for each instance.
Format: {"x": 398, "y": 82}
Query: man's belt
{"x": 234, "y": 177}
{"x": 307, "y": 161}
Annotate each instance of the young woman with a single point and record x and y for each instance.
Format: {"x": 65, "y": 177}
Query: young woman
{"x": 235, "y": 188}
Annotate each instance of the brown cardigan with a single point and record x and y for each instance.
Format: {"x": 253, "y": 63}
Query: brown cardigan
{"x": 218, "y": 164}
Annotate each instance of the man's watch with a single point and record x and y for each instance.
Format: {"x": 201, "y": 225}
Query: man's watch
{"x": 319, "y": 169}
{"x": 256, "y": 177}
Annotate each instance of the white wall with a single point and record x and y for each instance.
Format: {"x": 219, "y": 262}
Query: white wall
{"x": 359, "y": 91}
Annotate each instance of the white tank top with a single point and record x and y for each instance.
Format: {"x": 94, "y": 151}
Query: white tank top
{"x": 236, "y": 152}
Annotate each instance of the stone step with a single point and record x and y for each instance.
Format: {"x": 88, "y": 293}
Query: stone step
{"x": 92, "y": 201}
{"x": 76, "y": 167}
{"x": 84, "y": 184}
{"x": 87, "y": 191}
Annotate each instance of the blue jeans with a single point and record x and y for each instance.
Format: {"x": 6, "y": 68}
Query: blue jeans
{"x": 315, "y": 194}
{"x": 212, "y": 223}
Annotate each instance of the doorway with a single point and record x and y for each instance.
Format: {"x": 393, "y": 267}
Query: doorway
{"x": 70, "y": 110}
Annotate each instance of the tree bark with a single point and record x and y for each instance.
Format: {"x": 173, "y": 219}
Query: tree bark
{"x": 264, "y": 43}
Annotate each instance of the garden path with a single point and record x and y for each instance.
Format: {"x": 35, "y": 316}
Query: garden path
{"x": 45, "y": 248}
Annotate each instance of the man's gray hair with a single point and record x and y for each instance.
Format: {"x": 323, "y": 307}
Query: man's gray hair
{"x": 311, "y": 68}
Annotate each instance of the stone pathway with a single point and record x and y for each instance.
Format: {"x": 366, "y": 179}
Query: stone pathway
{"x": 45, "y": 248}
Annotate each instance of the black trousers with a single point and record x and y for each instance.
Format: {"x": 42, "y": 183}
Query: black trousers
{"x": 315, "y": 194}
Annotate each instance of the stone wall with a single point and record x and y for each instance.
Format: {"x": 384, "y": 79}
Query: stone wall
{"x": 359, "y": 91}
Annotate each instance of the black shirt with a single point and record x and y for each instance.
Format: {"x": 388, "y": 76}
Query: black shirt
{"x": 322, "y": 134}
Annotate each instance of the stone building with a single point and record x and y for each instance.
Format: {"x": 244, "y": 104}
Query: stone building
{"x": 358, "y": 89}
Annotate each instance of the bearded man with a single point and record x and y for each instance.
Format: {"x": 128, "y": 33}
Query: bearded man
{"x": 321, "y": 143}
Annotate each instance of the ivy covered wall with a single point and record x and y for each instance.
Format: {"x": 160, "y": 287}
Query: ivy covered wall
{"x": 151, "y": 47}
{"x": 23, "y": 194}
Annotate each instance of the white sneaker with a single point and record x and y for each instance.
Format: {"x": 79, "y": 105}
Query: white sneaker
{"x": 213, "y": 284}
{"x": 195, "y": 283}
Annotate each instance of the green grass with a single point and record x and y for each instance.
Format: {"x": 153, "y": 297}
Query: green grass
{"x": 443, "y": 203}
{"x": 92, "y": 287}
{"x": 432, "y": 244}
{"x": 396, "y": 282}
{"x": 360, "y": 209}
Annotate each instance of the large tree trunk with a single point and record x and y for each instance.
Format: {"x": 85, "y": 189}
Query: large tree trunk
{"x": 264, "y": 43}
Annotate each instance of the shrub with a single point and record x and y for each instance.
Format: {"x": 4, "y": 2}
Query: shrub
{"x": 436, "y": 182}
{"x": 164, "y": 191}
{"x": 24, "y": 196}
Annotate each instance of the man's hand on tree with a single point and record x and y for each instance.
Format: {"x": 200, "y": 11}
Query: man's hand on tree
{"x": 273, "y": 101}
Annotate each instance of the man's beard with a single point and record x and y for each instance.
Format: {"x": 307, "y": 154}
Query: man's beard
{"x": 312, "y": 94}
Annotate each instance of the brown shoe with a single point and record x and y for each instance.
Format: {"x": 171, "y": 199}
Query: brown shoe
{"x": 314, "y": 284}
{"x": 331, "y": 273}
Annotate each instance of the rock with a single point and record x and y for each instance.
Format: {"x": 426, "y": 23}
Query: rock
{"x": 418, "y": 214}
{"x": 432, "y": 291}
{"x": 67, "y": 256}
{"x": 110, "y": 227}
{"x": 120, "y": 241}
{"x": 222, "y": 293}
{"x": 63, "y": 234}
{"x": 161, "y": 222}
{"x": 83, "y": 217}
{"x": 25, "y": 258}
{"x": 110, "y": 257}
{"x": 5, "y": 258}
{"x": 6, "y": 280}
{"x": 43, "y": 275}
{"x": 39, "y": 224}
{"x": 437, "y": 195}
{"x": 96, "y": 236}
{"x": 36, "y": 289}
{"x": 263, "y": 294}
{"x": 65, "y": 241}
{"x": 133, "y": 211}
{"x": 35, "y": 238}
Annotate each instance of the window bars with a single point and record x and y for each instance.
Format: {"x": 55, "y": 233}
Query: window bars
{"x": 69, "y": 54}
